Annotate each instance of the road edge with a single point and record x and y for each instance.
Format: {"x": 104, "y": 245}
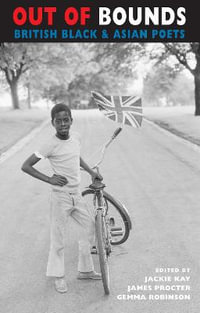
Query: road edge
{"x": 21, "y": 142}
{"x": 195, "y": 147}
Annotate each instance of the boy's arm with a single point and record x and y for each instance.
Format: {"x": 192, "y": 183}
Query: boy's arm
{"x": 28, "y": 168}
{"x": 88, "y": 169}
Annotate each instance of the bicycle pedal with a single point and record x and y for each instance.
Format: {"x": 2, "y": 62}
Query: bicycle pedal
{"x": 94, "y": 250}
{"x": 116, "y": 233}
{"x": 108, "y": 252}
{"x": 111, "y": 221}
{"x": 116, "y": 228}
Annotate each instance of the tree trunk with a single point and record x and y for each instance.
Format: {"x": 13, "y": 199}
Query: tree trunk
{"x": 197, "y": 94}
{"x": 197, "y": 85}
{"x": 29, "y": 95}
{"x": 14, "y": 94}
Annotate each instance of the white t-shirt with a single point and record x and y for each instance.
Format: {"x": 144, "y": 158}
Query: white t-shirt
{"x": 64, "y": 157}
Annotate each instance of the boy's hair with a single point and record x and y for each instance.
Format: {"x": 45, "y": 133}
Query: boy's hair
{"x": 58, "y": 108}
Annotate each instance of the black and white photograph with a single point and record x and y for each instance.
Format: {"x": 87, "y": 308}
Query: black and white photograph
{"x": 100, "y": 176}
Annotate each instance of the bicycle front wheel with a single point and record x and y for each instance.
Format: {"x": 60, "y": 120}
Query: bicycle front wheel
{"x": 102, "y": 238}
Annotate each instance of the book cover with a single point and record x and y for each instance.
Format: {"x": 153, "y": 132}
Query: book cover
{"x": 133, "y": 65}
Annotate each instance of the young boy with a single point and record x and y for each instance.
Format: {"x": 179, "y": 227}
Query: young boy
{"x": 63, "y": 152}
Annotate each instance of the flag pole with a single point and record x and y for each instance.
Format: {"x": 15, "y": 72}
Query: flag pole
{"x": 105, "y": 146}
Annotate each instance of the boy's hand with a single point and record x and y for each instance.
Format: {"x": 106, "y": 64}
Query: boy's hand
{"x": 96, "y": 175}
{"x": 58, "y": 180}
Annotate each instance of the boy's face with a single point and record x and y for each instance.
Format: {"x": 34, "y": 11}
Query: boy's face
{"x": 62, "y": 123}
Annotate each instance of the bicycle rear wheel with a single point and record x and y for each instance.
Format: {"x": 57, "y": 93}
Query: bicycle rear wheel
{"x": 120, "y": 223}
{"x": 102, "y": 243}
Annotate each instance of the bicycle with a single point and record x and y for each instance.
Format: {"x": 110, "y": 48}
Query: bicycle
{"x": 119, "y": 219}
{"x": 106, "y": 224}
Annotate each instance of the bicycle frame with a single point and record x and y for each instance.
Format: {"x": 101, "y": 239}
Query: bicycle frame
{"x": 98, "y": 202}
{"x": 102, "y": 232}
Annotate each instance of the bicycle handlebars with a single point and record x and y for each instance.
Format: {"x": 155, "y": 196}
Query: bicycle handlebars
{"x": 116, "y": 132}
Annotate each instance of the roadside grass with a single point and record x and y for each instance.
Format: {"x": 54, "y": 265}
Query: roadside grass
{"x": 180, "y": 121}
{"x": 15, "y": 124}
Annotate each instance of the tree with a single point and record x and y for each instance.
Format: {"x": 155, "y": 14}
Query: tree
{"x": 63, "y": 70}
{"x": 35, "y": 66}
{"x": 127, "y": 55}
{"x": 63, "y": 66}
{"x": 12, "y": 69}
{"x": 73, "y": 71}
{"x": 15, "y": 60}
{"x": 160, "y": 79}
{"x": 172, "y": 87}
{"x": 188, "y": 55}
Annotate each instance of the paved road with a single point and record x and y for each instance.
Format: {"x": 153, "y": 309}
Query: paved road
{"x": 158, "y": 179}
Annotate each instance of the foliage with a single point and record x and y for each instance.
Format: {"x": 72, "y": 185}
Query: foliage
{"x": 163, "y": 62}
{"x": 182, "y": 91}
{"x": 163, "y": 87}
{"x": 69, "y": 71}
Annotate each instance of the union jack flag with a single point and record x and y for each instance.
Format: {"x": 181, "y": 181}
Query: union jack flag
{"x": 121, "y": 109}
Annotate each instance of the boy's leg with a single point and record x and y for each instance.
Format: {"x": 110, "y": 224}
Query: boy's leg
{"x": 83, "y": 217}
{"x": 55, "y": 266}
